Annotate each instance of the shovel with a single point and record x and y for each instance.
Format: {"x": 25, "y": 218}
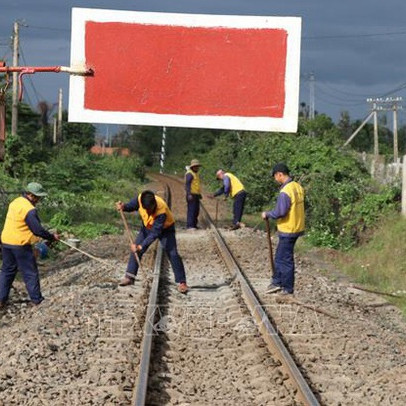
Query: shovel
{"x": 268, "y": 232}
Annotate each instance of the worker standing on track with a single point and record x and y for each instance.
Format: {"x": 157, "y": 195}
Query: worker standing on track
{"x": 193, "y": 194}
{"x": 289, "y": 214}
{"x": 22, "y": 229}
{"x": 233, "y": 187}
{"x": 158, "y": 223}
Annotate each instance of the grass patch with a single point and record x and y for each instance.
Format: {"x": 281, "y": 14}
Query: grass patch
{"x": 380, "y": 263}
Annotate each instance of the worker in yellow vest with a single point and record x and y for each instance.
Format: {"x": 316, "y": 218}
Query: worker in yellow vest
{"x": 289, "y": 214}
{"x": 193, "y": 194}
{"x": 21, "y": 230}
{"x": 157, "y": 223}
{"x": 233, "y": 187}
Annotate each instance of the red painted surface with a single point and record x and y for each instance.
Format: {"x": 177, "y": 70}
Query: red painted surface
{"x": 185, "y": 70}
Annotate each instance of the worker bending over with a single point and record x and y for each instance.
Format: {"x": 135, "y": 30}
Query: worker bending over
{"x": 157, "y": 223}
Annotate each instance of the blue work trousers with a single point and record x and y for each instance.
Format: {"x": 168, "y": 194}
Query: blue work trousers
{"x": 20, "y": 258}
{"x": 238, "y": 206}
{"x": 285, "y": 264}
{"x": 193, "y": 209}
{"x": 168, "y": 242}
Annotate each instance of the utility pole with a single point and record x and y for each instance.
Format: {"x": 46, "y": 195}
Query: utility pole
{"x": 376, "y": 140}
{"x": 352, "y": 136}
{"x": 386, "y": 104}
{"x": 55, "y": 131}
{"x": 404, "y": 187}
{"x": 311, "y": 96}
{"x": 395, "y": 107}
{"x": 60, "y": 116}
{"x": 108, "y": 136}
{"x": 14, "y": 108}
{"x": 162, "y": 158}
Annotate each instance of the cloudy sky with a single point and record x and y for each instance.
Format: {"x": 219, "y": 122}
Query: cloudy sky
{"x": 355, "y": 49}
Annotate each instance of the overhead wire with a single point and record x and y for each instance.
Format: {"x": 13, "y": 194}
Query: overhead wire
{"x": 334, "y": 89}
{"x": 383, "y": 34}
{"x": 396, "y": 89}
{"x": 48, "y": 28}
{"x": 30, "y": 81}
{"x": 320, "y": 87}
{"x": 336, "y": 103}
{"x": 343, "y": 98}
{"x": 5, "y": 44}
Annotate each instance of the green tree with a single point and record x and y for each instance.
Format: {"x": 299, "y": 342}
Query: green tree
{"x": 81, "y": 134}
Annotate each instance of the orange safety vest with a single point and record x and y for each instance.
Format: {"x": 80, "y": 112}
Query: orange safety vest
{"x": 16, "y": 230}
{"x": 236, "y": 184}
{"x": 162, "y": 208}
{"x": 195, "y": 185}
{"x": 294, "y": 221}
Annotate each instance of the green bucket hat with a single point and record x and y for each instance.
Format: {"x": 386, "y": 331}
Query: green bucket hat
{"x": 36, "y": 189}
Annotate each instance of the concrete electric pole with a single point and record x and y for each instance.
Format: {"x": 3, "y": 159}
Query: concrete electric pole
{"x": 60, "y": 116}
{"x": 311, "y": 96}
{"x": 386, "y": 104}
{"x": 380, "y": 104}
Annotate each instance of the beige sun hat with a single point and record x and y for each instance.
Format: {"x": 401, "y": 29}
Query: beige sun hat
{"x": 194, "y": 162}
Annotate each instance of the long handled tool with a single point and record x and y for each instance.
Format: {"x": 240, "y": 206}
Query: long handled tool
{"x": 130, "y": 238}
{"x": 256, "y": 226}
{"x": 268, "y": 232}
{"x": 83, "y": 252}
{"x": 105, "y": 280}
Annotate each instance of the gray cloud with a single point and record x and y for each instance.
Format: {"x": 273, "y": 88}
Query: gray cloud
{"x": 353, "y": 59}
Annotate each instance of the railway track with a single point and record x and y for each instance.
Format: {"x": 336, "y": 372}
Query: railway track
{"x": 220, "y": 323}
{"x": 93, "y": 343}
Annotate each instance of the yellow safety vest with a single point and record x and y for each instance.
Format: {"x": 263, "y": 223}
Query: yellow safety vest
{"x": 195, "y": 185}
{"x": 236, "y": 184}
{"x": 294, "y": 221}
{"x": 16, "y": 230}
{"x": 162, "y": 208}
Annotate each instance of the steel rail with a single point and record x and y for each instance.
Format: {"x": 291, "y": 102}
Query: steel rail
{"x": 264, "y": 325}
{"x": 141, "y": 387}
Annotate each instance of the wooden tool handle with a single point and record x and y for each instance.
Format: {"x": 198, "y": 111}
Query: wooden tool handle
{"x": 268, "y": 232}
{"x": 130, "y": 237}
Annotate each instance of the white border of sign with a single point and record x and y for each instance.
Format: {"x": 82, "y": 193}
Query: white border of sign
{"x": 288, "y": 123}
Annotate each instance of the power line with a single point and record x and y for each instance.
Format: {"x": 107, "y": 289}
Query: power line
{"x": 343, "y": 98}
{"x": 333, "y": 103}
{"x": 47, "y": 28}
{"x": 315, "y": 37}
{"x": 396, "y": 89}
{"x": 29, "y": 78}
{"x": 355, "y": 35}
{"x": 334, "y": 89}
